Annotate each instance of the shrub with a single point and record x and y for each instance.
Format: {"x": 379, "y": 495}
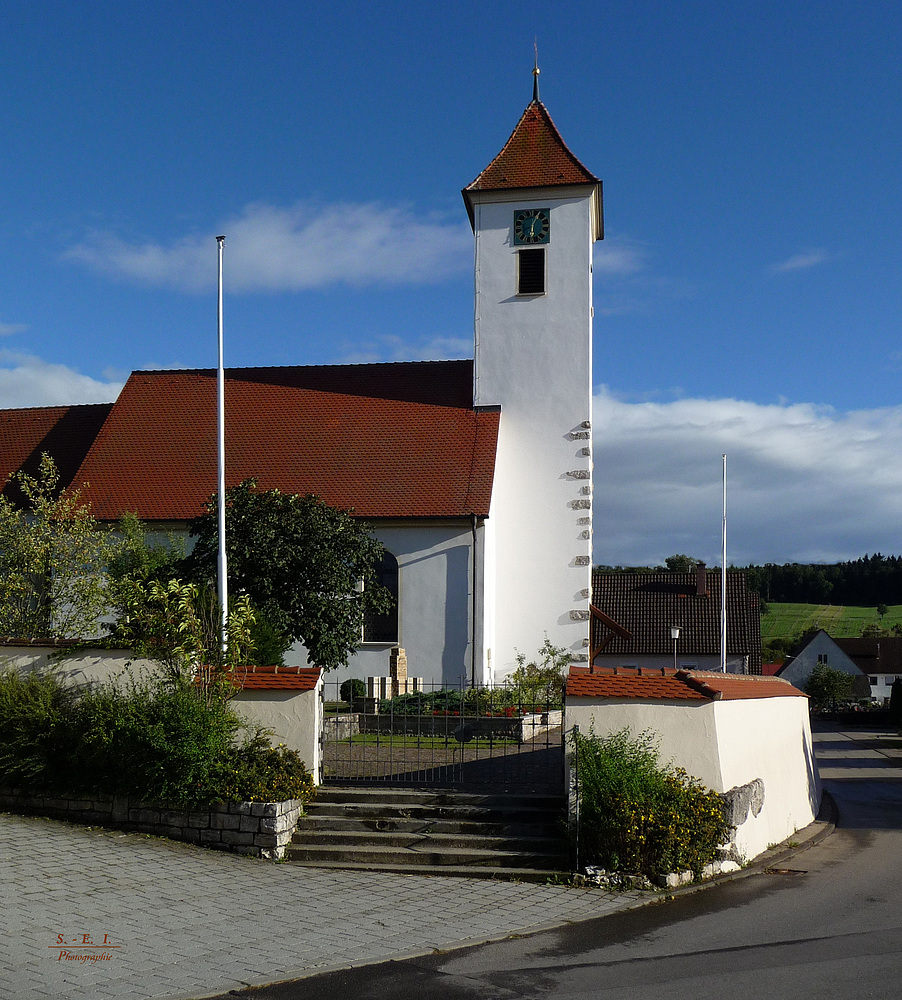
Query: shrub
{"x": 165, "y": 743}
{"x": 541, "y": 681}
{"x": 258, "y": 772}
{"x": 639, "y": 817}
{"x": 352, "y": 689}
{"x": 33, "y": 709}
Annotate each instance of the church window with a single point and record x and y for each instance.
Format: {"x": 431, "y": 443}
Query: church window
{"x": 531, "y": 272}
{"x": 384, "y": 628}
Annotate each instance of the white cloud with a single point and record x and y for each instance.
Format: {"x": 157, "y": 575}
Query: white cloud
{"x": 7, "y": 329}
{"x": 805, "y": 483}
{"x": 308, "y": 245}
{"x": 621, "y": 256}
{"x": 802, "y": 261}
{"x": 26, "y": 380}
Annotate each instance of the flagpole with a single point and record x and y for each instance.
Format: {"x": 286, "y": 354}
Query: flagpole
{"x": 222, "y": 578}
{"x": 723, "y": 578}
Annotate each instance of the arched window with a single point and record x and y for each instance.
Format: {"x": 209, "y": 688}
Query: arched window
{"x": 384, "y": 628}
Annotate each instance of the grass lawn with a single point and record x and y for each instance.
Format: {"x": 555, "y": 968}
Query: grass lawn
{"x": 787, "y": 620}
{"x": 399, "y": 740}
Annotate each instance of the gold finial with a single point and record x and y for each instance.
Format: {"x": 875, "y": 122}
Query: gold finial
{"x": 535, "y": 74}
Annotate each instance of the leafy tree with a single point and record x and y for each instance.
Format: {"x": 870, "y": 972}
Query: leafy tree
{"x": 52, "y": 560}
{"x": 882, "y": 610}
{"x": 142, "y": 560}
{"x": 300, "y": 562}
{"x": 179, "y": 626}
{"x": 681, "y": 563}
{"x": 827, "y": 686}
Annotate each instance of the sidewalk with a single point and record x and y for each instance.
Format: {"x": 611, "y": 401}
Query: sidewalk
{"x": 173, "y": 920}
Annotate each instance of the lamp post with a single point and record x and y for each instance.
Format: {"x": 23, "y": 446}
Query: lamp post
{"x": 675, "y": 635}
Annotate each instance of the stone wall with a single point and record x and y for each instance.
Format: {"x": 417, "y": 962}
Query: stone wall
{"x": 259, "y": 829}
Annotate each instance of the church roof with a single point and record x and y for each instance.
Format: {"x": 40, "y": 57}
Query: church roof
{"x": 63, "y": 432}
{"x": 385, "y": 440}
{"x": 534, "y": 156}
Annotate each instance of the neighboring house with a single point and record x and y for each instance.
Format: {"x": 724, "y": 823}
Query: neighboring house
{"x": 475, "y": 474}
{"x": 880, "y": 659}
{"x": 633, "y": 614}
{"x": 821, "y": 648}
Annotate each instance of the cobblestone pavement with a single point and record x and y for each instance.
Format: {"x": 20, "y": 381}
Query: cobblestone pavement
{"x": 90, "y": 913}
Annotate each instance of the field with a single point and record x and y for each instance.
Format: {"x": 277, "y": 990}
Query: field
{"x": 786, "y": 620}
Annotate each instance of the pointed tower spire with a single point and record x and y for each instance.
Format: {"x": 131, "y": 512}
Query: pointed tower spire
{"x": 535, "y": 75}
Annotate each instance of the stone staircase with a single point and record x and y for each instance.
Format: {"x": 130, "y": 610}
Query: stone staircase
{"x": 433, "y": 832}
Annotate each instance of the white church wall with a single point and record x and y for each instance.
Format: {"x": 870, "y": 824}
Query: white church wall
{"x": 533, "y": 357}
{"x": 434, "y": 606}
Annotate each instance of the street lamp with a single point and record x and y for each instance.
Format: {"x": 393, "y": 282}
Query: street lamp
{"x": 675, "y": 635}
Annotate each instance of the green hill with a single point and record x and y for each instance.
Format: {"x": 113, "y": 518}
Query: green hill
{"x": 783, "y": 621}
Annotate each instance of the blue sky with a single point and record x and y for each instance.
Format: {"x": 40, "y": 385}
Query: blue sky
{"x": 747, "y": 292}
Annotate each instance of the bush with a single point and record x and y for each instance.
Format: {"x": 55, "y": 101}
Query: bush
{"x": 258, "y": 772}
{"x": 33, "y": 710}
{"x": 639, "y": 817}
{"x": 351, "y": 690}
{"x": 158, "y": 742}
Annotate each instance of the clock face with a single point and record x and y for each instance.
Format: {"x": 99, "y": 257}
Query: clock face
{"x": 531, "y": 226}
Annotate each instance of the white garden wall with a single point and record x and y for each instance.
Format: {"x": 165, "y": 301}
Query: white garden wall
{"x": 727, "y": 744}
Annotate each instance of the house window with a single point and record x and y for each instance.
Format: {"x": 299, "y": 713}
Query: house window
{"x": 531, "y": 272}
{"x": 873, "y": 681}
{"x": 384, "y": 628}
{"x": 821, "y": 657}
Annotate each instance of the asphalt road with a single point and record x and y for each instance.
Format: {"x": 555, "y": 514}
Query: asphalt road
{"x": 828, "y": 924}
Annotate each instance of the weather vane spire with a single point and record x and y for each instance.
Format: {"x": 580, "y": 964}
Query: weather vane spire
{"x": 535, "y": 73}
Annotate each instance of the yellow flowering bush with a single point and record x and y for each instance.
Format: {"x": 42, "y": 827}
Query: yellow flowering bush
{"x": 638, "y": 816}
{"x": 258, "y": 772}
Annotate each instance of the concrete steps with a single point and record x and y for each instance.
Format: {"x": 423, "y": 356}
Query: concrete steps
{"x": 494, "y": 835}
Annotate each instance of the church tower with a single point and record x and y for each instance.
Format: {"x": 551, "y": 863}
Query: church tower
{"x": 536, "y": 212}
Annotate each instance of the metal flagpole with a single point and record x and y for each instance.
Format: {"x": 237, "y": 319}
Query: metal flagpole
{"x": 222, "y": 579}
{"x": 723, "y": 578}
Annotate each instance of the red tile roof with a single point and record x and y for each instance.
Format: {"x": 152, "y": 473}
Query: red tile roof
{"x": 534, "y": 156}
{"x": 278, "y": 678}
{"x": 682, "y": 685}
{"x": 386, "y": 440}
{"x": 64, "y": 432}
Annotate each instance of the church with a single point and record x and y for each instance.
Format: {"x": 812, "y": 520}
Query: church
{"x": 476, "y": 475}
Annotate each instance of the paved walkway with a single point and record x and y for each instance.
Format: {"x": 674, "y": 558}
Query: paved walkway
{"x": 170, "y": 920}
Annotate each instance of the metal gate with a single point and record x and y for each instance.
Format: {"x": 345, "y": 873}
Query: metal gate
{"x": 458, "y": 737}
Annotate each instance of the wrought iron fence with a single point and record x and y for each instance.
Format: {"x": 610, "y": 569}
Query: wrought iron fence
{"x": 503, "y": 737}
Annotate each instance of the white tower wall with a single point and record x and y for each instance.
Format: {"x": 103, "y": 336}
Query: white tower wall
{"x": 533, "y": 357}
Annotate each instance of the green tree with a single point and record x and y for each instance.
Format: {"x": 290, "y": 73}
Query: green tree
{"x": 308, "y": 568}
{"x": 52, "y": 560}
{"x": 828, "y": 686}
{"x": 179, "y": 626}
{"x": 680, "y": 563}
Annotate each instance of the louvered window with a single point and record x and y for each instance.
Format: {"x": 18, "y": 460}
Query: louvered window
{"x": 531, "y": 272}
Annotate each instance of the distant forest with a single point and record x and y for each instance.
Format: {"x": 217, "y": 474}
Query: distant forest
{"x": 865, "y": 582}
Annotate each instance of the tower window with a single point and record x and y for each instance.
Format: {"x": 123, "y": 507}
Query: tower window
{"x": 531, "y": 272}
